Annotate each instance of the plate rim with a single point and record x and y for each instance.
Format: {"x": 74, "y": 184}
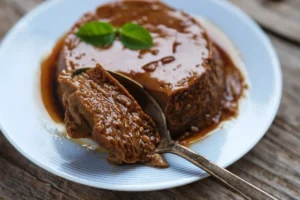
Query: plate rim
{"x": 166, "y": 184}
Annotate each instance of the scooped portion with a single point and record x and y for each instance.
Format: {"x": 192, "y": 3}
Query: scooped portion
{"x": 98, "y": 106}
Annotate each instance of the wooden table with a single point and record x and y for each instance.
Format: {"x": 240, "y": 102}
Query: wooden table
{"x": 273, "y": 164}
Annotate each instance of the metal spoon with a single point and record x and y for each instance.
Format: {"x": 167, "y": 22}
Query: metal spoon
{"x": 167, "y": 145}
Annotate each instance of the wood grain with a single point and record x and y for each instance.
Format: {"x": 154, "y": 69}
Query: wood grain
{"x": 281, "y": 17}
{"x": 8, "y": 16}
{"x": 273, "y": 165}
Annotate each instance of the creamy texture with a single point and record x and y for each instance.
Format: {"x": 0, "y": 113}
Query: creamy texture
{"x": 194, "y": 80}
{"x": 49, "y": 65}
{"x": 98, "y": 106}
{"x": 178, "y": 57}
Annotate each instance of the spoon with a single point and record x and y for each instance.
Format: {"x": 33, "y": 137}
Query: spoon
{"x": 167, "y": 145}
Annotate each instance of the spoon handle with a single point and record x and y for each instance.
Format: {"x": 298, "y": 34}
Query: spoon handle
{"x": 239, "y": 185}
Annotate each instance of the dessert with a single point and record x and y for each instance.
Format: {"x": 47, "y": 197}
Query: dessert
{"x": 194, "y": 81}
{"x": 98, "y": 106}
{"x": 183, "y": 71}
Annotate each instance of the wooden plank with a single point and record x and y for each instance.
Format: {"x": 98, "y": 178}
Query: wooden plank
{"x": 281, "y": 17}
{"x": 25, "y": 5}
{"x": 8, "y": 16}
{"x": 16, "y": 183}
{"x": 12, "y": 10}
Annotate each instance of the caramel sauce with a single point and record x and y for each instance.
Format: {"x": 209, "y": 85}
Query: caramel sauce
{"x": 49, "y": 83}
{"x": 181, "y": 52}
{"x": 56, "y": 111}
{"x": 180, "y": 45}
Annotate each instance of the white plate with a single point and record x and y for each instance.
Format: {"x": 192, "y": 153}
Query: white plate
{"x": 26, "y": 124}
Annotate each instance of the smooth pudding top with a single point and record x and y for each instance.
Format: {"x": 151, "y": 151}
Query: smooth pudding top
{"x": 194, "y": 80}
{"x": 180, "y": 53}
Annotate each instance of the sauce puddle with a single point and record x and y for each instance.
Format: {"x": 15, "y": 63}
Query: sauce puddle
{"x": 49, "y": 83}
{"x": 50, "y": 96}
{"x": 55, "y": 109}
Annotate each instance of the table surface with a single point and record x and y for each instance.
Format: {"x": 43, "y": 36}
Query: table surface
{"x": 273, "y": 164}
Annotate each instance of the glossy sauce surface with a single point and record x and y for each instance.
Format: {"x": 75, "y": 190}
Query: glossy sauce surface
{"x": 178, "y": 57}
{"x": 49, "y": 83}
{"x": 98, "y": 104}
{"x": 56, "y": 111}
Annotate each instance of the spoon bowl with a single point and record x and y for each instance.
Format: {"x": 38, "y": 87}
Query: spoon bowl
{"x": 168, "y": 145}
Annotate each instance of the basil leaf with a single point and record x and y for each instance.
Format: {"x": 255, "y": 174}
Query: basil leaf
{"x": 134, "y": 36}
{"x": 97, "y": 33}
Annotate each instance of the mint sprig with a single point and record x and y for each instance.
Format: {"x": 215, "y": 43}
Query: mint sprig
{"x": 97, "y": 33}
{"x": 102, "y": 34}
{"x": 134, "y": 36}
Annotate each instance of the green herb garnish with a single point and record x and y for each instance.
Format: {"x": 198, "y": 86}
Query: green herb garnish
{"x": 97, "y": 33}
{"x": 134, "y": 36}
{"x": 103, "y": 34}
